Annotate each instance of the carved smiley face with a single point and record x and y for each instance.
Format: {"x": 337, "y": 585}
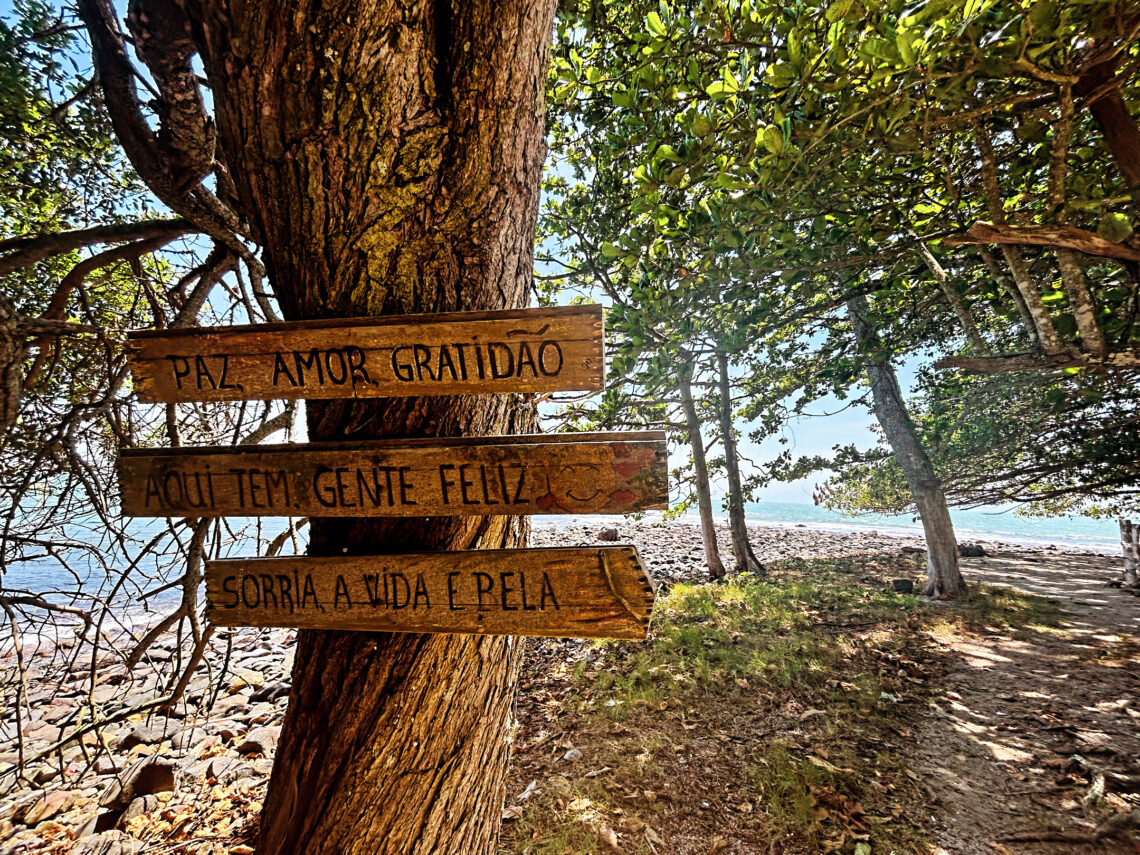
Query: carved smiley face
{"x": 581, "y": 483}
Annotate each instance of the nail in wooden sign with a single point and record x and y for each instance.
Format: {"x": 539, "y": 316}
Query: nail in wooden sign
{"x": 523, "y": 350}
{"x": 574, "y": 592}
{"x": 584, "y": 473}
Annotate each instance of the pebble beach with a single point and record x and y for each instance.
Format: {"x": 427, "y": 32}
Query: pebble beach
{"x": 81, "y": 797}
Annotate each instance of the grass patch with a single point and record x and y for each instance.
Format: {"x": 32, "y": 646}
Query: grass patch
{"x": 761, "y": 709}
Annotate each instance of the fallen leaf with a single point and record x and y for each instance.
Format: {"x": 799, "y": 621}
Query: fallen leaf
{"x": 719, "y": 845}
{"x": 610, "y": 837}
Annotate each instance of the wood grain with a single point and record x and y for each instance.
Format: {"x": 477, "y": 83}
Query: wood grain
{"x": 597, "y": 592}
{"x": 457, "y": 353}
{"x": 583, "y": 473}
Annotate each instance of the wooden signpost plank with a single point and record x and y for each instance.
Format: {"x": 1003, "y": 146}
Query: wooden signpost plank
{"x": 523, "y": 350}
{"x": 584, "y": 473}
{"x": 595, "y": 592}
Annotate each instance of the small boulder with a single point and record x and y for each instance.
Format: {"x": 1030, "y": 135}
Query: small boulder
{"x": 608, "y": 535}
{"x": 147, "y": 776}
{"x": 971, "y": 550}
{"x": 139, "y": 806}
{"x": 48, "y": 806}
{"x": 260, "y": 740}
{"x": 902, "y": 586}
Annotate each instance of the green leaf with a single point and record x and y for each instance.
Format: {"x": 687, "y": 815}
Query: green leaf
{"x": 655, "y": 26}
{"x": 1114, "y": 227}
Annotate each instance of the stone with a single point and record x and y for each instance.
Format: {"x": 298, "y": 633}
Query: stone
{"x": 903, "y": 586}
{"x": 108, "y": 843}
{"x": 138, "y": 735}
{"x": 48, "y": 806}
{"x": 271, "y": 692}
{"x": 147, "y": 776}
{"x": 230, "y": 730}
{"x": 188, "y": 738}
{"x": 107, "y": 765}
{"x": 243, "y": 677}
{"x": 104, "y": 820}
{"x": 971, "y": 550}
{"x": 260, "y": 740}
{"x": 608, "y": 534}
{"x": 139, "y": 806}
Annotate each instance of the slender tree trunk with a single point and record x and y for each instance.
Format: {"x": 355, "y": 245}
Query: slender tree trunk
{"x": 957, "y": 301}
{"x": 387, "y": 156}
{"x": 700, "y": 473}
{"x": 744, "y": 559}
{"x": 1130, "y": 542}
{"x": 944, "y": 579}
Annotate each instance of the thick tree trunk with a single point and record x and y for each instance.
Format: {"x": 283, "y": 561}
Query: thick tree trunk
{"x": 1111, "y": 113}
{"x": 743, "y": 558}
{"x": 387, "y": 157}
{"x": 700, "y": 473}
{"x": 944, "y": 579}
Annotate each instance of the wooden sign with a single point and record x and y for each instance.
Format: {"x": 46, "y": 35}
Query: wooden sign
{"x": 598, "y": 592}
{"x": 583, "y": 473}
{"x": 461, "y": 353}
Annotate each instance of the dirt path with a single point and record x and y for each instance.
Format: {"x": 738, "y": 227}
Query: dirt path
{"x": 1026, "y": 723}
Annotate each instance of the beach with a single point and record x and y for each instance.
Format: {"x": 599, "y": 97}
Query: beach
{"x": 225, "y": 727}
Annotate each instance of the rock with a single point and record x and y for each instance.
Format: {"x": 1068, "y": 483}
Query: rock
{"x": 107, "y": 765}
{"x": 271, "y": 692}
{"x": 188, "y": 738}
{"x": 6, "y": 829}
{"x": 138, "y": 735}
{"x": 971, "y": 550}
{"x": 104, "y": 820}
{"x": 108, "y": 843}
{"x": 147, "y": 776}
{"x": 48, "y": 806}
{"x": 139, "y": 806}
{"x": 913, "y": 550}
{"x": 44, "y": 774}
{"x": 260, "y": 740}
{"x": 230, "y": 730}
{"x": 608, "y": 534}
{"x": 903, "y": 586}
{"x": 243, "y": 677}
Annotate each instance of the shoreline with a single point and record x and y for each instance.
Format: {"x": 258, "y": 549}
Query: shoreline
{"x": 656, "y": 519}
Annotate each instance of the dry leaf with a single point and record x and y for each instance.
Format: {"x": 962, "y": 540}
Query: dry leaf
{"x": 609, "y": 836}
{"x": 719, "y": 846}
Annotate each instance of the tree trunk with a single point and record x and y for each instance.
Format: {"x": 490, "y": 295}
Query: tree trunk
{"x": 1111, "y": 113}
{"x": 700, "y": 473}
{"x": 944, "y": 579}
{"x": 387, "y": 157}
{"x": 744, "y": 559}
{"x": 1130, "y": 542}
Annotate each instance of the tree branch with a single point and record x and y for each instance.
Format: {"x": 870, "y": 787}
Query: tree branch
{"x": 27, "y": 250}
{"x": 1064, "y": 237}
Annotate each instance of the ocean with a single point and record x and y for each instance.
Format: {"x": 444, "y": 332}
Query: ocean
{"x": 1002, "y": 524}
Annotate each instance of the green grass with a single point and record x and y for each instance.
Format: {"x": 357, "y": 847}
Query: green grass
{"x": 735, "y": 635}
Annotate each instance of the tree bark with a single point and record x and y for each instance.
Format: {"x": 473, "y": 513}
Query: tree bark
{"x": 387, "y": 157}
{"x": 745, "y": 561}
{"x": 1111, "y": 113}
{"x": 1130, "y": 543}
{"x": 700, "y": 472}
{"x": 944, "y": 579}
